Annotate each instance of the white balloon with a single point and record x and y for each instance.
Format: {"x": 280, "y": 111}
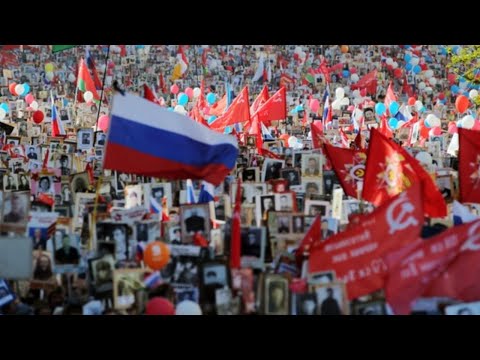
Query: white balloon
{"x": 347, "y": 89}
{"x": 356, "y": 93}
{"x": 19, "y": 89}
{"x": 292, "y": 141}
{"x": 463, "y": 85}
{"x": 435, "y": 122}
{"x": 428, "y": 74}
{"x": 357, "y": 101}
{"x": 414, "y": 61}
{"x": 432, "y": 81}
{"x": 357, "y": 113}
{"x": 303, "y": 55}
{"x": 395, "y": 65}
{"x": 88, "y": 96}
{"x": 468, "y": 121}
{"x": 49, "y": 75}
{"x": 336, "y": 105}
{"x": 298, "y": 50}
{"x": 71, "y": 77}
{"x": 339, "y": 93}
{"x": 459, "y": 123}
{"x": 188, "y": 307}
{"x": 428, "y": 89}
{"x": 422, "y": 85}
{"x": 389, "y": 61}
{"x": 354, "y": 79}
{"x": 34, "y": 105}
{"x": 196, "y": 92}
{"x": 473, "y": 94}
{"x": 345, "y": 101}
{"x": 424, "y": 158}
{"x": 418, "y": 105}
{"x": 298, "y": 146}
{"x": 2, "y": 114}
{"x": 180, "y": 109}
{"x": 430, "y": 118}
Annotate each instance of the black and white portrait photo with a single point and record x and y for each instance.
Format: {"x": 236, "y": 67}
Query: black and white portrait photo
{"x": 291, "y": 175}
{"x": 251, "y": 175}
{"x": 312, "y": 165}
{"x": 276, "y": 295}
{"x": 15, "y": 208}
{"x": 298, "y": 224}
{"x": 215, "y": 274}
{"x": 10, "y": 182}
{"x": 133, "y": 196}
{"x": 183, "y": 293}
{"x": 64, "y": 163}
{"x": 80, "y": 182}
{"x": 100, "y": 138}
{"x": 33, "y": 153}
{"x": 160, "y": 190}
{"x": 85, "y": 139}
{"x": 45, "y": 185}
{"x": 331, "y": 299}
{"x": 271, "y": 169}
{"x": 182, "y": 270}
{"x": 312, "y": 187}
{"x": 118, "y": 234}
{"x": 64, "y": 115}
{"x": 194, "y": 219}
{"x": 306, "y": 304}
{"x": 66, "y": 248}
{"x": 284, "y": 202}
{"x": 370, "y": 308}
{"x": 318, "y": 207}
{"x": 283, "y": 224}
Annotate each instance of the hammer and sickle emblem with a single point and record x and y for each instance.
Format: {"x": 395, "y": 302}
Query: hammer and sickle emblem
{"x": 473, "y": 242}
{"x": 277, "y": 99}
{"x": 403, "y": 219}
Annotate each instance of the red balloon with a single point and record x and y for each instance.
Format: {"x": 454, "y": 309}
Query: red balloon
{"x": 38, "y": 117}
{"x": 462, "y": 104}
{"x": 11, "y": 87}
{"x": 451, "y": 78}
{"x": 411, "y": 101}
{"x": 174, "y": 89}
{"x": 103, "y": 123}
{"x": 424, "y": 67}
{"x": 353, "y": 70}
{"x": 452, "y": 127}
{"x": 437, "y": 131}
{"x": 476, "y": 125}
{"x": 441, "y": 96}
{"x": 363, "y": 92}
{"x": 397, "y": 73}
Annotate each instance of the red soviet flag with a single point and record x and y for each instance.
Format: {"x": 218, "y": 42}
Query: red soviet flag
{"x": 219, "y": 107}
{"x": 256, "y": 129}
{"x": 349, "y": 166}
{"x": 356, "y": 255}
{"x": 237, "y": 112}
{"x": 274, "y": 108}
{"x": 390, "y": 97}
{"x": 469, "y": 165}
{"x": 460, "y": 280}
{"x": 259, "y": 100}
{"x": 390, "y": 169}
{"x": 148, "y": 94}
{"x": 316, "y": 127}
{"x": 412, "y": 269}
{"x": 312, "y": 236}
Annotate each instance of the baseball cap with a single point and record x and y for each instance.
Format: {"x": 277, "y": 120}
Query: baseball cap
{"x": 159, "y": 306}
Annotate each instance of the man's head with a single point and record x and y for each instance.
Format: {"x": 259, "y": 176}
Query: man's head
{"x": 37, "y": 233}
{"x": 312, "y": 164}
{"x": 31, "y": 150}
{"x": 133, "y": 198}
{"x": 330, "y": 292}
{"x": 66, "y": 241}
{"x": 283, "y": 200}
{"x": 44, "y": 183}
{"x": 104, "y": 270}
{"x": 277, "y": 293}
{"x": 324, "y": 224}
{"x": 17, "y": 204}
{"x": 64, "y": 161}
{"x": 43, "y": 262}
{"x": 308, "y": 306}
{"x": 119, "y": 234}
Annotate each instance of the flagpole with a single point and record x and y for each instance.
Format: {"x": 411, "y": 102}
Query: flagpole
{"x": 103, "y": 87}
{"x": 196, "y": 69}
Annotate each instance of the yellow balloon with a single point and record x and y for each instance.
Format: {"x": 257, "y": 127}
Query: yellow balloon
{"x": 49, "y": 67}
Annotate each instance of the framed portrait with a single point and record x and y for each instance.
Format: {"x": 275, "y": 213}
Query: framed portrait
{"x": 323, "y": 277}
{"x": 331, "y": 299}
{"x": 214, "y": 274}
{"x": 10, "y": 182}
{"x": 263, "y": 205}
{"x": 42, "y": 267}
{"x": 329, "y": 181}
{"x": 271, "y": 169}
{"x": 187, "y": 292}
{"x": 80, "y": 182}
{"x": 13, "y": 140}
{"x": 306, "y": 304}
{"x": 157, "y": 192}
{"x": 300, "y": 200}
{"x": 85, "y": 139}
{"x": 217, "y": 241}
{"x": 65, "y": 115}
{"x": 298, "y": 224}
{"x": 223, "y": 208}
{"x": 317, "y": 207}
{"x": 147, "y": 230}
{"x": 45, "y": 185}
{"x": 126, "y": 283}
{"x": 349, "y": 207}
{"x": 446, "y": 187}
{"x": 100, "y": 139}
{"x": 369, "y": 308}
{"x": 292, "y": 176}
{"x": 249, "y": 191}
{"x": 279, "y": 185}
{"x": 82, "y": 200}
{"x": 182, "y": 269}
{"x": 276, "y": 295}
{"x": 253, "y": 246}
{"x": 133, "y": 196}
{"x": 337, "y": 203}
{"x": 312, "y": 165}
{"x": 62, "y": 210}
{"x": 6, "y": 294}
{"x": 274, "y": 146}
{"x": 312, "y": 187}
{"x": 118, "y": 234}
{"x": 16, "y": 207}
{"x": 66, "y": 249}
{"x": 251, "y": 175}
{"x": 194, "y": 218}
{"x": 121, "y": 180}
{"x": 284, "y": 202}
{"x": 251, "y": 141}
{"x": 283, "y": 223}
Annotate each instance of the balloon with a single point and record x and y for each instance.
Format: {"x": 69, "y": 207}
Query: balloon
{"x": 353, "y": 70}
{"x": 363, "y": 92}
{"x": 189, "y": 92}
{"x": 430, "y": 118}
{"x": 19, "y": 89}
{"x": 292, "y": 140}
{"x": 356, "y": 93}
{"x": 435, "y": 122}
{"x": 156, "y": 255}
{"x": 436, "y": 131}
{"x": 452, "y": 127}
{"x": 5, "y": 107}
{"x": 34, "y": 105}
{"x": 38, "y": 117}
{"x": 298, "y": 108}
{"x": 49, "y": 76}
{"x": 393, "y": 123}
{"x": 394, "y": 108}
{"x": 409, "y": 67}
{"x": 180, "y": 109}
{"x": 424, "y": 158}
{"x": 389, "y": 61}
{"x": 414, "y": 61}
{"x": 336, "y": 105}
{"x": 380, "y": 109}
{"x": 428, "y": 74}
{"x": 462, "y": 104}
{"x": 345, "y": 73}
{"x": 395, "y": 65}
{"x": 422, "y": 85}
{"x": 441, "y": 96}
{"x": 417, "y": 69}
{"x": 476, "y": 126}
{"x": 49, "y": 67}
{"x": 408, "y": 57}
{"x": 339, "y": 93}
{"x": 351, "y": 108}
{"x": 418, "y": 105}
{"x": 174, "y": 89}
{"x": 468, "y": 122}
{"x": 182, "y": 99}
{"x": 211, "y": 119}
{"x": 463, "y": 85}
{"x": 344, "y": 49}
{"x": 29, "y": 98}
{"x": 454, "y": 89}
{"x": 211, "y": 98}
{"x": 2, "y": 114}
{"x": 354, "y": 78}
{"x": 397, "y": 73}
{"x": 71, "y": 77}
{"x": 11, "y": 88}
{"x": 88, "y": 96}
{"x": 196, "y": 92}
{"x": 473, "y": 94}
{"x": 345, "y": 101}
{"x": 411, "y": 101}
{"x": 103, "y": 122}
{"x": 432, "y": 81}
{"x": 428, "y": 89}
{"x": 26, "y": 89}
{"x": 314, "y": 105}
{"x": 188, "y": 307}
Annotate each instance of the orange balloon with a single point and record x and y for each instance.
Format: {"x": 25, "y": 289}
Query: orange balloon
{"x": 462, "y": 103}
{"x": 156, "y": 255}
{"x": 344, "y": 48}
{"x": 11, "y": 87}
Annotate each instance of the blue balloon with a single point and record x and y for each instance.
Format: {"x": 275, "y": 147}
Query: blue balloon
{"x": 139, "y": 46}
{"x": 346, "y": 73}
{"x": 408, "y": 46}
{"x": 443, "y": 51}
{"x": 393, "y": 123}
{"x": 211, "y": 98}
{"x": 394, "y": 108}
{"x": 417, "y": 69}
{"x": 454, "y": 89}
{"x": 461, "y": 79}
{"x": 4, "y": 106}
{"x": 408, "y": 57}
{"x": 182, "y": 99}
{"x": 423, "y": 109}
{"x": 444, "y": 101}
{"x": 427, "y": 125}
{"x": 211, "y": 119}
{"x": 409, "y": 67}
{"x": 26, "y": 89}
{"x": 466, "y": 93}
{"x": 170, "y": 109}
{"x": 380, "y": 109}
{"x": 298, "y": 108}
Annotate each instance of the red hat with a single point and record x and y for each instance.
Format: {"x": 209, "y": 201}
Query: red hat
{"x": 159, "y": 306}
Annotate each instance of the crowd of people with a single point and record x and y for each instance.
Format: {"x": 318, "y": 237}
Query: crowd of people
{"x": 89, "y": 227}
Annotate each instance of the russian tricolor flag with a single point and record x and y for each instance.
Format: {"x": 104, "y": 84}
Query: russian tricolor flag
{"x": 207, "y": 193}
{"x": 149, "y": 140}
{"x": 57, "y": 125}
